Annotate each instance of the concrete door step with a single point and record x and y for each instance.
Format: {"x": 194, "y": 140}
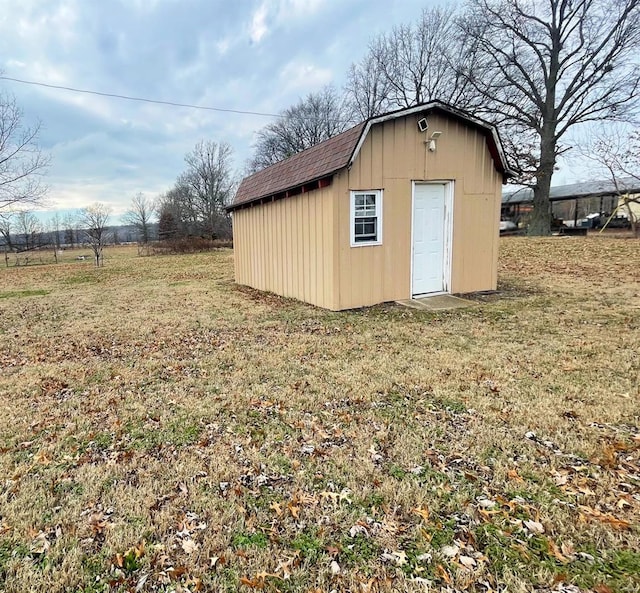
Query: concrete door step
{"x": 438, "y": 302}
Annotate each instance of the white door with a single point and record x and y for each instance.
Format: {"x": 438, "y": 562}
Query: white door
{"x": 429, "y": 239}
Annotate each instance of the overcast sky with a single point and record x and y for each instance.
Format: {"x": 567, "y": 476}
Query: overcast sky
{"x": 254, "y": 55}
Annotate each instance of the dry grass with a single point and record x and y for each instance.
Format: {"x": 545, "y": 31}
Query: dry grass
{"x": 162, "y": 429}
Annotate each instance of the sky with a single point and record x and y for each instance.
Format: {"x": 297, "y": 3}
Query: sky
{"x": 260, "y": 56}
{"x": 248, "y": 55}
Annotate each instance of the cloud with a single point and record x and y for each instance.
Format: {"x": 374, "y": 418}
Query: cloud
{"x": 304, "y": 77}
{"x": 295, "y": 9}
{"x": 258, "y": 28}
{"x": 217, "y": 54}
{"x": 280, "y": 13}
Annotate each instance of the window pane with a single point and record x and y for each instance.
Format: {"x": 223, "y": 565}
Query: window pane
{"x": 364, "y": 212}
{"x": 371, "y": 199}
{"x": 366, "y": 229}
{"x": 370, "y": 228}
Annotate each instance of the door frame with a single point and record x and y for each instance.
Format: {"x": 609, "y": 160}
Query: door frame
{"x": 448, "y": 233}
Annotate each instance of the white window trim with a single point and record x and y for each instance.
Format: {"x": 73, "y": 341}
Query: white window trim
{"x": 352, "y": 212}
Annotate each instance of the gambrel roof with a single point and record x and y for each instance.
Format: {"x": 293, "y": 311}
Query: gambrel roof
{"x": 327, "y": 158}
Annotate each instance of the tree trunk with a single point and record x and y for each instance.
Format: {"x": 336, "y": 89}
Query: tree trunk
{"x": 635, "y": 229}
{"x": 540, "y": 223}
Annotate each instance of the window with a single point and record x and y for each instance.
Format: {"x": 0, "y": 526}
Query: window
{"x": 366, "y": 218}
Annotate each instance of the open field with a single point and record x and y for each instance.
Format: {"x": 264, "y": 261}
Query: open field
{"x": 162, "y": 429}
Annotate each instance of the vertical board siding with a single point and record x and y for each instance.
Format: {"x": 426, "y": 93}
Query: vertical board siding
{"x": 300, "y": 246}
{"x": 286, "y": 247}
{"x": 394, "y": 155}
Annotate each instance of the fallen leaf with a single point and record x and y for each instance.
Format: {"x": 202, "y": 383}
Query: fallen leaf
{"x": 358, "y": 529}
{"x": 215, "y": 560}
{"x": 189, "y": 546}
{"x": 262, "y": 576}
{"x": 443, "y": 574}
{"x": 515, "y": 476}
{"x": 450, "y": 551}
{"x": 616, "y": 523}
{"x": 400, "y": 557}
{"x": 275, "y": 506}
{"x": 467, "y": 561}
{"x": 249, "y": 583}
{"x": 40, "y": 544}
{"x": 421, "y": 512}
{"x": 560, "y": 578}
{"x": 141, "y": 582}
{"x": 557, "y": 553}
{"x": 534, "y": 527}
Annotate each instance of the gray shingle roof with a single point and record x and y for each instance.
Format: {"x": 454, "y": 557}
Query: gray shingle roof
{"x": 585, "y": 189}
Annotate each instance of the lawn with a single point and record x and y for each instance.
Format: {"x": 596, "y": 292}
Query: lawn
{"x": 162, "y": 429}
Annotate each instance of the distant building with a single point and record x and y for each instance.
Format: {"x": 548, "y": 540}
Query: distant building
{"x": 573, "y": 202}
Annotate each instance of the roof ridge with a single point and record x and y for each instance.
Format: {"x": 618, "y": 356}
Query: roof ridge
{"x": 336, "y": 153}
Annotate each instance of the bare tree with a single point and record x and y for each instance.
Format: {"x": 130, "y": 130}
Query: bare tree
{"x": 412, "y": 64}
{"x": 368, "y": 88}
{"x": 617, "y": 155}
{"x": 54, "y": 234}
{"x": 140, "y": 216}
{"x": 545, "y": 66}
{"x": 27, "y": 226}
{"x": 54, "y": 226}
{"x": 94, "y": 219}
{"x": 168, "y": 222}
{"x": 175, "y": 216}
{"x": 70, "y": 237}
{"x": 317, "y": 117}
{"x": 206, "y": 188}
{"x": 22, "y": 163}
{"x": 6, "y": 230}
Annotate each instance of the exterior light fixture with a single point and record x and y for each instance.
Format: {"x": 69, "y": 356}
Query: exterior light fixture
{"x": 432, "y": 141}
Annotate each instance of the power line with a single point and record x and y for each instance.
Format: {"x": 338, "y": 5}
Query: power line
{"x": 140, "y": 99}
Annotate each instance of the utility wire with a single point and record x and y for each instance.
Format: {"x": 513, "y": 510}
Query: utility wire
{"x": 140, "y": 99}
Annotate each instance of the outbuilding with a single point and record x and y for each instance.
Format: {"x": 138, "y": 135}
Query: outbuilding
{"x": 403, "y": 205}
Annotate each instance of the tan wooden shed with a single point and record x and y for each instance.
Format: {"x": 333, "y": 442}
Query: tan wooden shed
{"x": 402, "y": 205}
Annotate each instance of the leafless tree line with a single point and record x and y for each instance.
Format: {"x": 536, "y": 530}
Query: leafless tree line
{"x": 535, "y": 68}
{"x": 196, "y": 204}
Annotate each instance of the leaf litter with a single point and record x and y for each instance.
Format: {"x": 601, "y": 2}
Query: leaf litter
{"x": 246, "y": 469}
